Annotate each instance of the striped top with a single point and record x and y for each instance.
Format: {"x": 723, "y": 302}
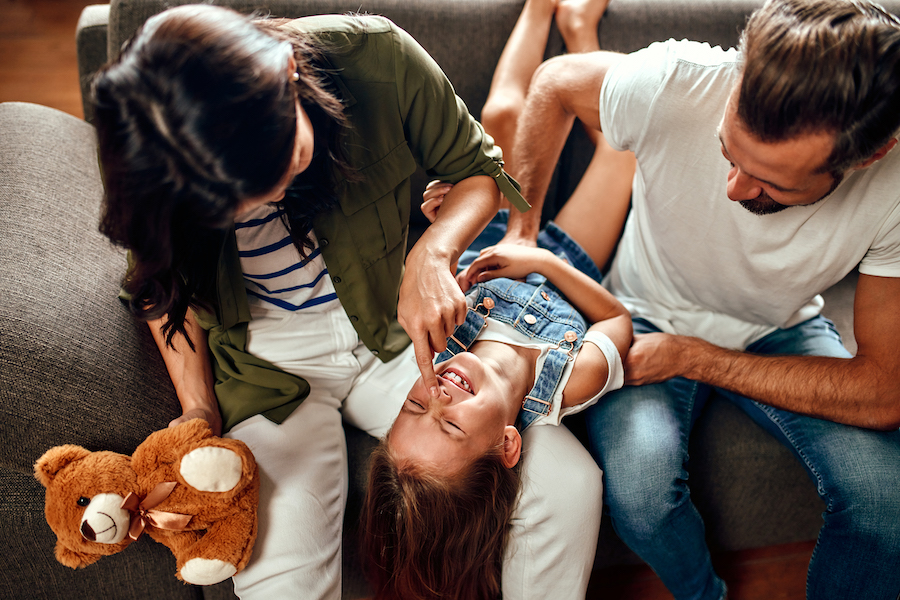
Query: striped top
{"x": 275, "y": 275}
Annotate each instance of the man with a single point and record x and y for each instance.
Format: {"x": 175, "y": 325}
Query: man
{"x": 764, "y": 176}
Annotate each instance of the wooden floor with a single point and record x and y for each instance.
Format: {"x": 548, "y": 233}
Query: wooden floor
{"x": 773, "y": 573}
{"x": 38, "y": 64}
{"x": 37, "y": 53}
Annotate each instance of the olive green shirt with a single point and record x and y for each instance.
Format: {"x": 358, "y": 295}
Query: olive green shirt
{"x": 402, "y": 112}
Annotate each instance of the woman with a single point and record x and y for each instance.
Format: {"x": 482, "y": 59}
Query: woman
{"x": 443, "y": 483}
{"x": 258, "y": 173}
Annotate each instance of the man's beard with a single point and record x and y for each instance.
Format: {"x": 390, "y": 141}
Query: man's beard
{"x": 764, "y": 205}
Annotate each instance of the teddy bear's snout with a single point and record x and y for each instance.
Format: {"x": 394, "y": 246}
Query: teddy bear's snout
{"x": 87, "y": 532}
{"x": 104, "y": 520}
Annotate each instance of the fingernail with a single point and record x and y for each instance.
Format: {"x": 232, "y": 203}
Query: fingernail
{"x": 434, "y": 391}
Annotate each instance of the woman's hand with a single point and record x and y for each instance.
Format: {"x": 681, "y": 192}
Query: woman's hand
{"x": 504, "y": 260}
{"x": 210, "y": 415}
{"x": 431, "y": 306}
{"x": 433, "y": 197}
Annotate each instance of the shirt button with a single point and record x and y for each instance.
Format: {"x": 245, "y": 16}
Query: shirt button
{"x": 375, "y": 352}
{"x": 354, "y": 318}
{"x": 337, "y": 279}
{"x": 530, "y": 319}
{"x": 323, "y": 242}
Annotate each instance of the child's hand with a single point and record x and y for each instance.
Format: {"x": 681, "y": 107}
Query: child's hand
{"x": 503, "y": 260}
{"x": 433, "y": 197}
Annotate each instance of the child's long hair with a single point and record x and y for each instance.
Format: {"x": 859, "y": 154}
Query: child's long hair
{"x": 427, "y": 536}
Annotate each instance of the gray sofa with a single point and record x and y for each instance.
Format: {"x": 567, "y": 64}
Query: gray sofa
{"x": 76, "y": 368}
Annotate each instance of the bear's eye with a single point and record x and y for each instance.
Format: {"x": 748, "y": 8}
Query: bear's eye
{"x": 84, "y": 501}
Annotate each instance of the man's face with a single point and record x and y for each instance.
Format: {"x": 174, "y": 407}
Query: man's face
{"x": 769, "y": 177}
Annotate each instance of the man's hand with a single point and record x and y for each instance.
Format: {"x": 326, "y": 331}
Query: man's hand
{"x": 431, "y": 306}
{"x": 655, "y": 357}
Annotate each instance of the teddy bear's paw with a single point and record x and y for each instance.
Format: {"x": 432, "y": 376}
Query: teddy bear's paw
{"x": 211, "y": 469}
{"x": 206, "y": 571}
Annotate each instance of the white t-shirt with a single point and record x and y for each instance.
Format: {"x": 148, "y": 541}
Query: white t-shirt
{"x": 497, "y": 331}
{"x": 693, "y": 262}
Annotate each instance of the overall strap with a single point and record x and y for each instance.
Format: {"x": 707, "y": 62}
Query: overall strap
{"x": 538, "y": 402}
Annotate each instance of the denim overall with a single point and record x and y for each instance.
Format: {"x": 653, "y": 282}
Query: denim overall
{"x": 535, "y": 309}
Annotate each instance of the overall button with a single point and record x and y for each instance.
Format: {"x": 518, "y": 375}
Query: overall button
{"x": 570, "y": 336}
{"x": 530, "y": 319}
{"x": 545, "y": 296}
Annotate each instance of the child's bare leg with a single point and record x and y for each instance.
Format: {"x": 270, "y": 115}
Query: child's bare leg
{"x": 595, "y": 213}
{"x": 578, "y": 21}
{"x": 523, "y": 53}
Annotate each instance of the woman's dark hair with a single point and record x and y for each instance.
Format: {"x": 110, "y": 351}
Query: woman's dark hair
{"x": 196, "y": 114}
{"x": 426, "y": 535}
{"x": 813, "y": 66}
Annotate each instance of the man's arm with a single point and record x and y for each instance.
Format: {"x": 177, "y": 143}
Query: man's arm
{"x": 563, "y": 88}
{"x": 191, "y": 373}
{"x": 861, "y": 391}
{"x": 431, "y": 303}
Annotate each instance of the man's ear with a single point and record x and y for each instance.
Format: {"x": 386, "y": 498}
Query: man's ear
{"x": 879, "y": 154}
{"x": 512, "y": 446}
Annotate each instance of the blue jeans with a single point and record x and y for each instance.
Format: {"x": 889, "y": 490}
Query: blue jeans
{"x": 639, "y": 437}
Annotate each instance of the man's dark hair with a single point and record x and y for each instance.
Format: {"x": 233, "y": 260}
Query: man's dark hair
{"x": 813, "y": 66}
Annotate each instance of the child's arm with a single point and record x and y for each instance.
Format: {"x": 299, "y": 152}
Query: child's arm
{"x": 515, "y": 262}
{"x": 592, "y": 300}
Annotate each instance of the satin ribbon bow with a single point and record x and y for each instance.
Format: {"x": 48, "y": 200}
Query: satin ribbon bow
{"x": 142, "y": 513}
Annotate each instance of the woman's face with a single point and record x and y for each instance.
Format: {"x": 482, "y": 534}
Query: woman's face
{"x": 303, "y": 152}
{"x": 473, "y": 413}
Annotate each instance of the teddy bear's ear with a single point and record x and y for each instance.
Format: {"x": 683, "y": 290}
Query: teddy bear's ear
{"x": 54, "y": 459}
{"x": 73, "y": 559}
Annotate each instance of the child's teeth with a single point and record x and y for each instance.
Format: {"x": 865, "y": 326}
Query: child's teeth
{"x": 457, "y": 380}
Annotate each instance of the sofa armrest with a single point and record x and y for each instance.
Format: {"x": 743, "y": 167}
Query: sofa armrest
{"x": 75, "y": 366}
{"x": 91, "y": 35}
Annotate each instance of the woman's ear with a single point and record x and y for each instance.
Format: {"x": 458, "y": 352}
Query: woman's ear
{"x": 512, "y": 446}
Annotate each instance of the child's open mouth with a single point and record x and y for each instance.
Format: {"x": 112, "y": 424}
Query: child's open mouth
{"x": 458, "y": 380}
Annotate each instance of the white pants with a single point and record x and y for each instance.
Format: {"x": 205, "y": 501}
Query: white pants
{"x": 303, "y": 471}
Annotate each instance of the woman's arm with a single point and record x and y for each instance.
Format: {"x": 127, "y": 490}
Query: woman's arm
{"x": 431, "y": 304}
{"x": 191, "y": 373}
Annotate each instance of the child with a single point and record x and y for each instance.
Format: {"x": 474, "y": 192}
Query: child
{"x": 443, "y": 483}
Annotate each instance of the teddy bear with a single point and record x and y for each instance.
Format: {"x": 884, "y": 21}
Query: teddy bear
{"x": 186, "y": 488}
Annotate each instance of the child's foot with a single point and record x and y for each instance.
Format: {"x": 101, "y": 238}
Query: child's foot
{"x": 542, "y": 8}
{"x": 578, "y": 21}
